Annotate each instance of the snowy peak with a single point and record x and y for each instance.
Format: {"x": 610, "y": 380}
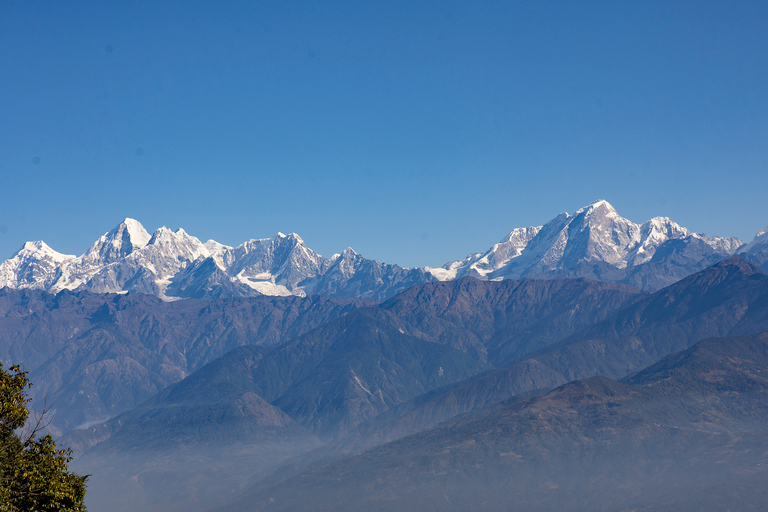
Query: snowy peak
{"x": 347, "y": 263}
{"x": 294, "y": 237}
{"x": 598, "y": 233}
{"x": 758, "y": 244}
{"x": 601, "y": 206}
{"x": 275, "y": 266}
{"x": 136, "y": 234}
{"x": 652, "y": 234}
{"x": 595, "y": 242}
{"x": 176, "y": 244}
{"x": 166, "y": 253}
{"x": 662, "y": 227}
{"x": 125, "y": 238}
{"x": 40, "y": 250}
{"x": 173, "y": 264}
{"x": 35, "y": 265}
{"x": 220, "y": 253}
{"x": 348, "y": 253}
{"x": 511, "y": 246}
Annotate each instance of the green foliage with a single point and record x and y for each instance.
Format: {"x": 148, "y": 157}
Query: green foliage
{"x": 13, "y": 412}
{"x": 33, "y": 473}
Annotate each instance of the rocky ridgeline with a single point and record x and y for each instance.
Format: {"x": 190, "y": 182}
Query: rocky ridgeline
{"x": 595, "y": 242}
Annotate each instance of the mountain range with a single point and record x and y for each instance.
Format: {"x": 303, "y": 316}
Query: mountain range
{"x": 595, "y": 242}
{"x": 92, "y": 356}
{"x": 563, "y": 368}
{"x": 379, "y": 373}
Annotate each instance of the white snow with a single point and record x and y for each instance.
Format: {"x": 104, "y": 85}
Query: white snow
{"x": 758, "y": 244}
{"x": 284, "y": 265}
{"x": 442, "y": 274}
{"x": 595, "y": 233}
{"x": 138, "y": 235}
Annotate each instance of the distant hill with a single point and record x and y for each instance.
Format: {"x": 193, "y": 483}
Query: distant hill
{"x": 729, "y": 298}
{"x": 688, "y": 433}
{"x": 328, "y": 380}
{"x": 360, "y": 364}
{"x": 191, "y": 444}
{"x": 92, "y": 356}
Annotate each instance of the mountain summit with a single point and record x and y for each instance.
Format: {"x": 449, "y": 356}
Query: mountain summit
{"x": 173, "y": 264}
{"x": 595, "y": 242}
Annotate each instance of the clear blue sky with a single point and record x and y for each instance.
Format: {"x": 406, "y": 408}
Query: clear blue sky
{"x": 415, "y": 132}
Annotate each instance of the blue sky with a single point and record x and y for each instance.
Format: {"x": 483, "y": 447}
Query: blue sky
{"x": 413, "y": 133}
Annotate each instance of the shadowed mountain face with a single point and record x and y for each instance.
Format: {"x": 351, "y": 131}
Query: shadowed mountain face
{"x": 220, "y": 416}
{"x": 504, "y": 320}
{"x": 727, "y": 299}
{"x": 381, "y": 372}
{"x": 93, "y": 356}
{"x": 331, "y": 378}
{"x": 758, "y": 259}
{"x": 688, "y": 433}
{"x": 359, "y": 365}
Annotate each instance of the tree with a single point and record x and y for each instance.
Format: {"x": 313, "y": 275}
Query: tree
{"x": 33, "y": 473}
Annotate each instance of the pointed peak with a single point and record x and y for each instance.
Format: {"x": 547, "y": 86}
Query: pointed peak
{"x": 762, "y": 232}
{"x": 162, "y": 230}
{"x": 348, "y": 253}
{"x": 128, "y": 221}
{"x": 297, "y": 238}
{"x": 597, "y": 205}
{"x": 138, "y": 236}
{"x": 160, "y": 233}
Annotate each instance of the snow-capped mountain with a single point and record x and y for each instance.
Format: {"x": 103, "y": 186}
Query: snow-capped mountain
{"x": 756, "y": 251}
{"x": 595, "y": 242}
{"x": 35, "y": 265}
{"x": 174, "y": 264}
{"x": 759, "y": 244}
{"x": 351, "y": 275}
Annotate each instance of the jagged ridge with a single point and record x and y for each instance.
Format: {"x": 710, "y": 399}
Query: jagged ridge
{"x": 595, "y": 242}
